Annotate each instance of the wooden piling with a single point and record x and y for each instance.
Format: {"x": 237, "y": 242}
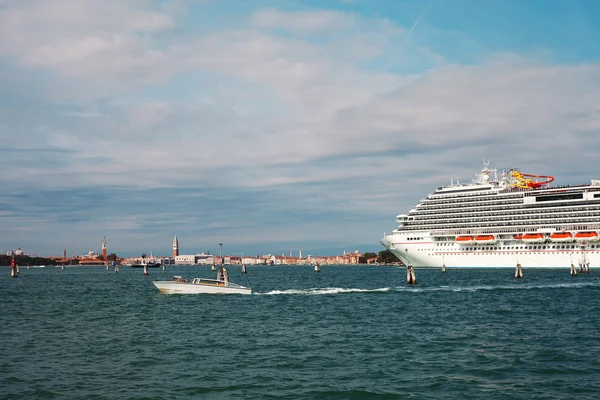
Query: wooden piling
{"x": 519, "y": 271}
{"x": 411, "y": 277}
{"x": 14, "y": 272}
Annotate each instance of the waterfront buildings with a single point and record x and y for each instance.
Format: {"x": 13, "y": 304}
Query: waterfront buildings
{"x": 175, "y": 248}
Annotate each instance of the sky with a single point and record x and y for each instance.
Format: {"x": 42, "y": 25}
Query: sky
{"x": 275, "y": 126}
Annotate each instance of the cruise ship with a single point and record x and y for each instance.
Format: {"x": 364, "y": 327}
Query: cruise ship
{"x": 491, "y": 223}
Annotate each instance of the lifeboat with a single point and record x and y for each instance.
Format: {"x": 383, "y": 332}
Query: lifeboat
{"x": 533, "y": 238}
{"x": 586, "y": 236}
{"x": 561, "y": 237}
{"x": 518, "y": 236}
{"x": 485, "y": 239}
{"x": 465, "y": 239}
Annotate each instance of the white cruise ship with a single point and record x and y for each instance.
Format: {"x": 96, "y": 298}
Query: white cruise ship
{"x": 493, "y": 222}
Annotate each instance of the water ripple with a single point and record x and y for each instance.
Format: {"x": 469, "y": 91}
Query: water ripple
{"x": 345, "y": 333}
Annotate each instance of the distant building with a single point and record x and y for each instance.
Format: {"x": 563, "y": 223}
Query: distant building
{"x": 204, "y": 259}
{"x": 185, "y": 260}
{"x": 175, "y": 248}
{"x": 195, "y": 259}
{"x": 104, "y": 248}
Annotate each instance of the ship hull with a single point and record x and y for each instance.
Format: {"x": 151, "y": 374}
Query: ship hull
{"x": 501, "y": 255}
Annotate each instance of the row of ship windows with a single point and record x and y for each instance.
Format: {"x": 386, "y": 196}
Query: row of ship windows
{"x": 488, "y": 249}
{"x": 515, "y": 222}
{"x": 549, "y": 197}
{"x": 502, "y": 204}
{"x": 487, "y": 246}
{"x": 500, "y": 218}
{"x": 490, "y": 225}
{"x": 557, "y": 247}
{"x": 502, "y": 221}
{"x": 463, "y": 203}
{"x": 502, "y": 207}
{"x": 476, "y": 201}
{"x": 415, "y": 238}
{"x": 509, "y": 216}
{"x": 448, "y": 235}
{"x": 512, "y": 193}
{"x": 509, "y": 253}
{"x": 485, "y": 193}
{"x": 427, "y": 205}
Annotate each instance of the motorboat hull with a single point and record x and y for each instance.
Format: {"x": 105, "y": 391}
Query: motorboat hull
{"x": 171, "y": 287}
{"x": 149, "y": 265}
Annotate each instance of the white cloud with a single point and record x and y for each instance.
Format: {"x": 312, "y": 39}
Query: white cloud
{"x": 302, "y": 22}
{"x": 264, "y": 110}
{"x": 108, "y": 42}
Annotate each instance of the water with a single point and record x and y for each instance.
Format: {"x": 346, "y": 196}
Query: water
{"x": 348, "y": 332}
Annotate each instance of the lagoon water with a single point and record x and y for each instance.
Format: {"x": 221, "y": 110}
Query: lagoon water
{"x": 348, "y": 332}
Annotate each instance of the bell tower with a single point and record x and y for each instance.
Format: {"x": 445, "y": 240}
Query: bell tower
{"x": 104, "y": 248}
{"x": 175, "y": 247}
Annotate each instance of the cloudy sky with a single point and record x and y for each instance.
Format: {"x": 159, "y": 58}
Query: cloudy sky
{"x": 272, "y": 126}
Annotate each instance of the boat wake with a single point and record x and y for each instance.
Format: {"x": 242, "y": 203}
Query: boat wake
{"x": 317, "y": 291}
{"x": 595, "y": 283}
{"x": 532, "y": 286}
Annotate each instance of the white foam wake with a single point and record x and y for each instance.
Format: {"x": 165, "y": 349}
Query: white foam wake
{"x": 515, "y": 286}
{"x": 317, "y": 291}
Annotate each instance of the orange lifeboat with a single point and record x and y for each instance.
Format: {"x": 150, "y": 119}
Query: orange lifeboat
{"x": 533, "y": 238}
{"x": 485, "y": 239}
{"x": 518, "y": 236}
{"x": 465, "y": 239}
{"x": 561, "y": 237}
{"x": 586, "y": 236}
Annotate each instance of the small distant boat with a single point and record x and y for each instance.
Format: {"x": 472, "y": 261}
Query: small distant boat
{"x": 317, "y": 267}
{"x": 146, "y": 262}
{"x": 221, "y": 285}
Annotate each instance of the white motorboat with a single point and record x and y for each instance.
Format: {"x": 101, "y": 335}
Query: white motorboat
{"x": 179, "y": 284}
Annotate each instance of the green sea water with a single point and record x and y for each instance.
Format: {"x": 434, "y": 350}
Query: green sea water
{"x": 348, "y": 332}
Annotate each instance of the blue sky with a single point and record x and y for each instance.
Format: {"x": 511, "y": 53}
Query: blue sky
{"x": 274, "y": 126}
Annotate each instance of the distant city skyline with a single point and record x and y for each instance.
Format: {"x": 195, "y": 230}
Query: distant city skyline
{"x": 131, "y": 253}
{"x": 275, "y": 126}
